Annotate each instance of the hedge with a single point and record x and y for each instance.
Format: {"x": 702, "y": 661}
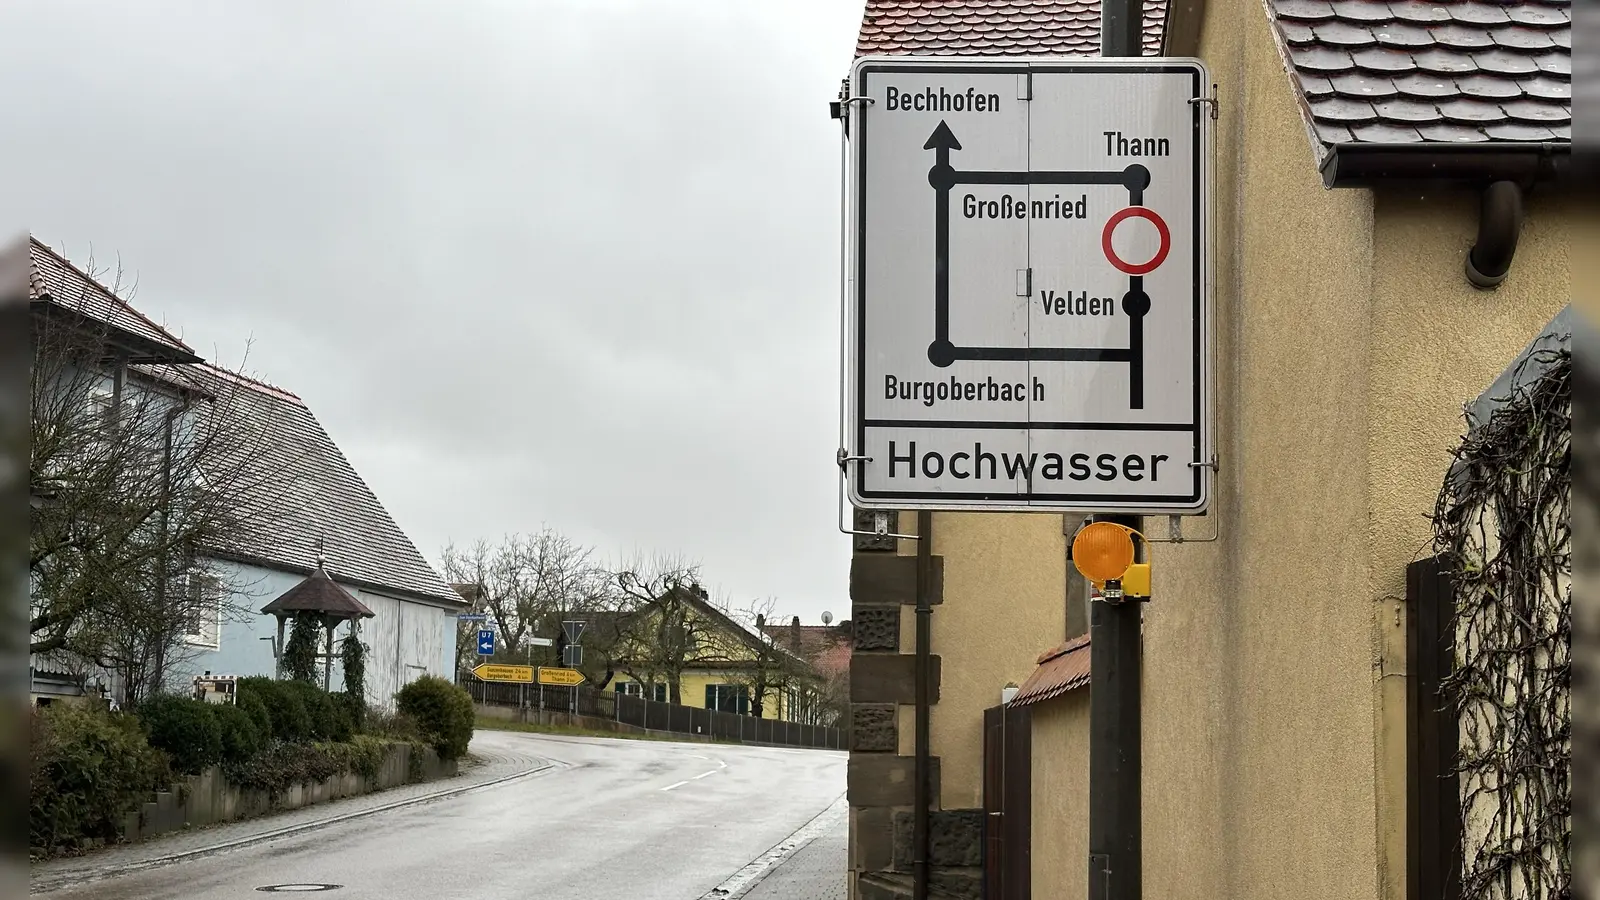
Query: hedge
{"x": 186, "y": 730}
{"x": 89, "y": 768}
{"x": 285, "y": 709}
{"x": 442, "y": 710}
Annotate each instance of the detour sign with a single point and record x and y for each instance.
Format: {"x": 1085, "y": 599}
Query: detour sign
{"x": 516, "y": 674}
{"x": 563, "y": 677}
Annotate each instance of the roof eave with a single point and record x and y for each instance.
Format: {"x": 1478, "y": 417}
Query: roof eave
{"x": 1360, "y": 164}
{"x": 134, "y": 347}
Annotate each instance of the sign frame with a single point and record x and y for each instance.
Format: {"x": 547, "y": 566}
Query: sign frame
{"x": 868, "y": 82}
{"x": 524, "y": 674}
{"x": 560, "y": 677}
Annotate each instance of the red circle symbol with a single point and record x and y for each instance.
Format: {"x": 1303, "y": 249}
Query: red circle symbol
{"x": 1140, "y": 212}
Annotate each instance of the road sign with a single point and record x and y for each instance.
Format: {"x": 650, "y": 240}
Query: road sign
{"x": 485, "y": 642}
{"x": 563, "y": 677}
{"x": 572, "y": 655}
{"x": 472, "y": 617}
{"x": 573, "y": 628}
{"x": 1028, "y": 294}
{"x": 541, "y": 642}
{"x": 516, "y": 674}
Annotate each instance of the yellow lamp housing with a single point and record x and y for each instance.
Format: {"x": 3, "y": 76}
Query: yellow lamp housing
{"x": 1136, "y": 581}
{"x": 1103, "y": 551}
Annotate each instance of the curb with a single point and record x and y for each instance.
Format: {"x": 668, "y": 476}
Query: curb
{"x": 46, "y": 885}
{"x": 746, "y": 879}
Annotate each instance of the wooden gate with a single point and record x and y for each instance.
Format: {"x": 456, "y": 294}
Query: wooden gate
{"x": 1007, "y": 803}
{"x": 1433, "y": 813}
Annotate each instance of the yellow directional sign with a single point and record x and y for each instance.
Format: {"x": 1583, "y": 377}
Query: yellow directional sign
{"x": 515, "y": 674}
{"x": 564, "y": 677}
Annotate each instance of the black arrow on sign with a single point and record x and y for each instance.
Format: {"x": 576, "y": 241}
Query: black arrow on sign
{"x": 942, "y": 177}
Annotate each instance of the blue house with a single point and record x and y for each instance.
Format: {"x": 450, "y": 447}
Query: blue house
{"x": 308, "y": 522}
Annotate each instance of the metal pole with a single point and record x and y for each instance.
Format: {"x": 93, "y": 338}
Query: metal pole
{"x": 1115, "y": 853}
{"x": 921, "y": 790}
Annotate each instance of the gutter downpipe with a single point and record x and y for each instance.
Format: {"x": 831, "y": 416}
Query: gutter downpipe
{"x": 1507, "y": 171}
{"x": 922, "y": 788}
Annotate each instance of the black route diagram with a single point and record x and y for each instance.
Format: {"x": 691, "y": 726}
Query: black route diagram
{"x": 1135, "y": 302}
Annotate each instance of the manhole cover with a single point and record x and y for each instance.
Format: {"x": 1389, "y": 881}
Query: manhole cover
{"x": 307, "y": 888}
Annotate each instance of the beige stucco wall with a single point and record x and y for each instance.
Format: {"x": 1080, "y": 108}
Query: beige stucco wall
{"x": 1060, "y": 847}
{"x": 1004, "y": 604}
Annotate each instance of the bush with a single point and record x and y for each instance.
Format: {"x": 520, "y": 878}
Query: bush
{"x": 287, "y": 712}
{"x": 328, "y": 720}
{"x": 241, "y": 739}
{"x": 89, "y": 769}
{"x": 251, "y": 704}
{"x": 396, "y": 725}
{"x": 186, "y": 729}
{"x": 283, "y": 765}
{"x": 443, "y": 711}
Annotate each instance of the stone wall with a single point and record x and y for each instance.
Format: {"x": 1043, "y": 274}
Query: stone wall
{"x": 881, "y": 774}
{"x": 210, "y": 799}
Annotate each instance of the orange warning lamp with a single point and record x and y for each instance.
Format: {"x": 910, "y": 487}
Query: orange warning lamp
{"x": 1103, "y": 551}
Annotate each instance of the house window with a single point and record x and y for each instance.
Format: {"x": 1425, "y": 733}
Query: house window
{"x": 732, "y": 698}
{"x": 201, "y": 607}
{"x": 657, "y": 692}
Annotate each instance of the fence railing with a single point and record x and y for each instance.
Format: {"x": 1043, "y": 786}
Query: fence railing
{"x": 653, "y": 715}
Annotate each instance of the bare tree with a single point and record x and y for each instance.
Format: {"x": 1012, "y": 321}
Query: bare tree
{"x": 527, "y": 584}
{"x": 661, "y": 630}
{"x": 136, "y": 472}
{"x": 774, "y": 669}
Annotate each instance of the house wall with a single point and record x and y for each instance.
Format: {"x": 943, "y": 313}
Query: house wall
{"x": 1060, "y": 842}
{"x": 405, "y": 638}
{"x": 692, "y": 691}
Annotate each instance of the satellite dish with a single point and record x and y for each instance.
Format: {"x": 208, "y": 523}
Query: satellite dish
{"x": 827, "y": 618}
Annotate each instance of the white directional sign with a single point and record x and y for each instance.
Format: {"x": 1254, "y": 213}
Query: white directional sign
{"x": 1028, "y": 301}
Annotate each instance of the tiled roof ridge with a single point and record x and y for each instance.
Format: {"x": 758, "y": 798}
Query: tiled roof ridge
{"x": 262, "y": 385}
{"x": 993, "y": 27}
{"x": 99, "y": 285}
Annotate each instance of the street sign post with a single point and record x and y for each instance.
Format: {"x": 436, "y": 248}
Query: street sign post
{"x": 573, "y": 628}
{"x": 563, "y": 677}
{"x": 514, "y": 674}
{"x": 540, "y": 642}
{"x": 1028, "y": 299}
{"x": 572, "y": 655}
{"x": 472, "y": 617}
{"x": 485, "y": 642}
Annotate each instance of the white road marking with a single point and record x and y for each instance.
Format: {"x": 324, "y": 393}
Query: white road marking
{"x": 678, "y": 785}
{"x": 721, "y": 764}
{"x": 703, "y": 774}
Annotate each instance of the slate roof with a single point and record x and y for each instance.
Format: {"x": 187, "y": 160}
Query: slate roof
{"x": 1063, "y": 669}
{"x": 993, "y": 27}
{"x": 318, "y": 593}
{"x": 1415, "y": 72}
{"x": 300, "y": 490}
{"x": 53, "y": 279}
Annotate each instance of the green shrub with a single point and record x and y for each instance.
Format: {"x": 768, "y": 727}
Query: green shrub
{"x": 329, "y": 721}
{"x": 252, "y": 705}
{"x": 240, "y": 738}
{"x": 89, "y": 769}
{"x": 185, "y": 729}
{"x": 443, "y": 711}
{"x": 285, "y": 709}
{"x": 283, "y": 765}
{"x": 396, "y": 725}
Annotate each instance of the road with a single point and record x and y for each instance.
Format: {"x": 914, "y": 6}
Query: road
{"x": 610, "y": 819}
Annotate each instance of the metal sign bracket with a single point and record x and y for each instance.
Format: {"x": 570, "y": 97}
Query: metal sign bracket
{"x": 880, "y": 518}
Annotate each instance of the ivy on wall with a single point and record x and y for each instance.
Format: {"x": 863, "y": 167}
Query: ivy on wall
{"x": 1503, "y": 531}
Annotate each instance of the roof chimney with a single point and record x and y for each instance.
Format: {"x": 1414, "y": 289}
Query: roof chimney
{"x": 794, "y": 635}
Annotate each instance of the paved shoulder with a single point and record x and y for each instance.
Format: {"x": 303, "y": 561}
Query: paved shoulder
{"x": 499, "y": 758}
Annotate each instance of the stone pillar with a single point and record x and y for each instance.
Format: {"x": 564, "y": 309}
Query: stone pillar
{"x": 882, "y": 695}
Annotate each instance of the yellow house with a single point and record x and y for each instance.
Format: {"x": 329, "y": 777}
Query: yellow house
{"x": 716, "y": 662}
{"x": 1391, "y": 229}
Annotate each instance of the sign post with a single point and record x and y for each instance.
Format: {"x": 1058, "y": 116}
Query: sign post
{"x": 485, "y": 642}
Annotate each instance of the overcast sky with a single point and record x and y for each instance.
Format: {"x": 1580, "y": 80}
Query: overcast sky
{"x": 529, "y": 262}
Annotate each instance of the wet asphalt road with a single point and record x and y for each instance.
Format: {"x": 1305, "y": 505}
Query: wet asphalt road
{"x": 614, "y": 819}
